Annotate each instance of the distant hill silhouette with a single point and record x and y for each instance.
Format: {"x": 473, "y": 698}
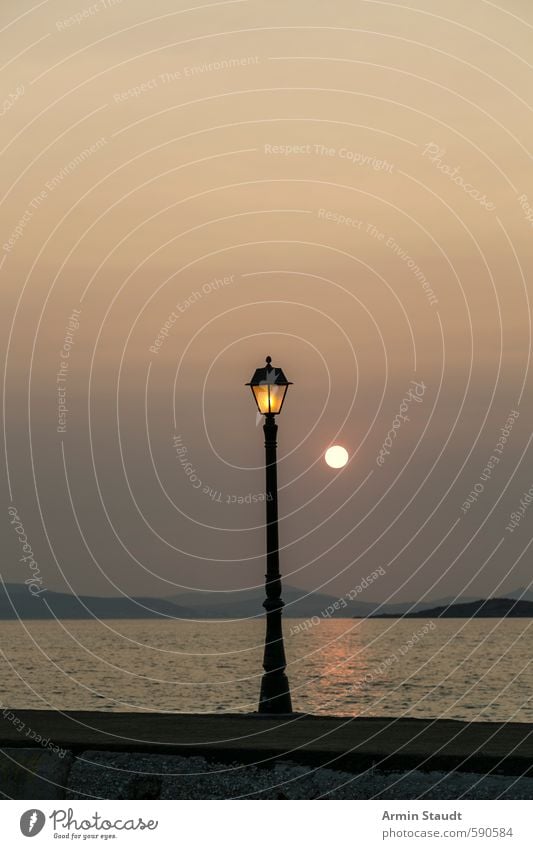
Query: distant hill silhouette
{"x": 299, "y": 604}
{"x": 16, "y": 602}
{"x": 240, "y": 604}
{"x": 492, "y": 608}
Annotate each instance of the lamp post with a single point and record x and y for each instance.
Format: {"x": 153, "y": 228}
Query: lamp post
{"x": 269, "y": 386}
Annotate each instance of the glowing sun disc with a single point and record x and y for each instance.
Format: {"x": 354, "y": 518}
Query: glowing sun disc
{"x": 336, "y": 456}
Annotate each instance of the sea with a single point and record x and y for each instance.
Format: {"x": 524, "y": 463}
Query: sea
{"x": 466, "y": 669}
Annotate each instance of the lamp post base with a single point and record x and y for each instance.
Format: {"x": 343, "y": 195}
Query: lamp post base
{"x": 275, "y": 695}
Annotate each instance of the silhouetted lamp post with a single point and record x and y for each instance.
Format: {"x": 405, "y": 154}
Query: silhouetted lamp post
{"x": 269, "y": 386}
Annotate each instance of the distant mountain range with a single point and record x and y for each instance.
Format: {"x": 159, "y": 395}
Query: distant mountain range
{"x": 16, "y": 602}
{"x": 491, "y": 608}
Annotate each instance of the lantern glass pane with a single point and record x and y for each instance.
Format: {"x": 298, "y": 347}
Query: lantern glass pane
{"x": 277, "y": 394}
{"x": 261, "y": 397}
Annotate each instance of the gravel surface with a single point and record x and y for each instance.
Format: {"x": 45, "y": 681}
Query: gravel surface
{"x": 106, "y": 775}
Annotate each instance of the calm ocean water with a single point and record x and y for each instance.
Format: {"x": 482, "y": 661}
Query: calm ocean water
{"x": 464, "y": 669}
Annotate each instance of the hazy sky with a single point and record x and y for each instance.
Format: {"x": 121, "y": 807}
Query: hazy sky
{"x": 344, "y": 186}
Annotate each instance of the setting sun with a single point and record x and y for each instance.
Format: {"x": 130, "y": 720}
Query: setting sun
{"x": 336, "y": 456}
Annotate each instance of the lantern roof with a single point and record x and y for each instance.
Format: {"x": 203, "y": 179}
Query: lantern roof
{"x": 269, "y": 375}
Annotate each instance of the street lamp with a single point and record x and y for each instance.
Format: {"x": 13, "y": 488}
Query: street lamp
{"x": 269, "y": 386}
